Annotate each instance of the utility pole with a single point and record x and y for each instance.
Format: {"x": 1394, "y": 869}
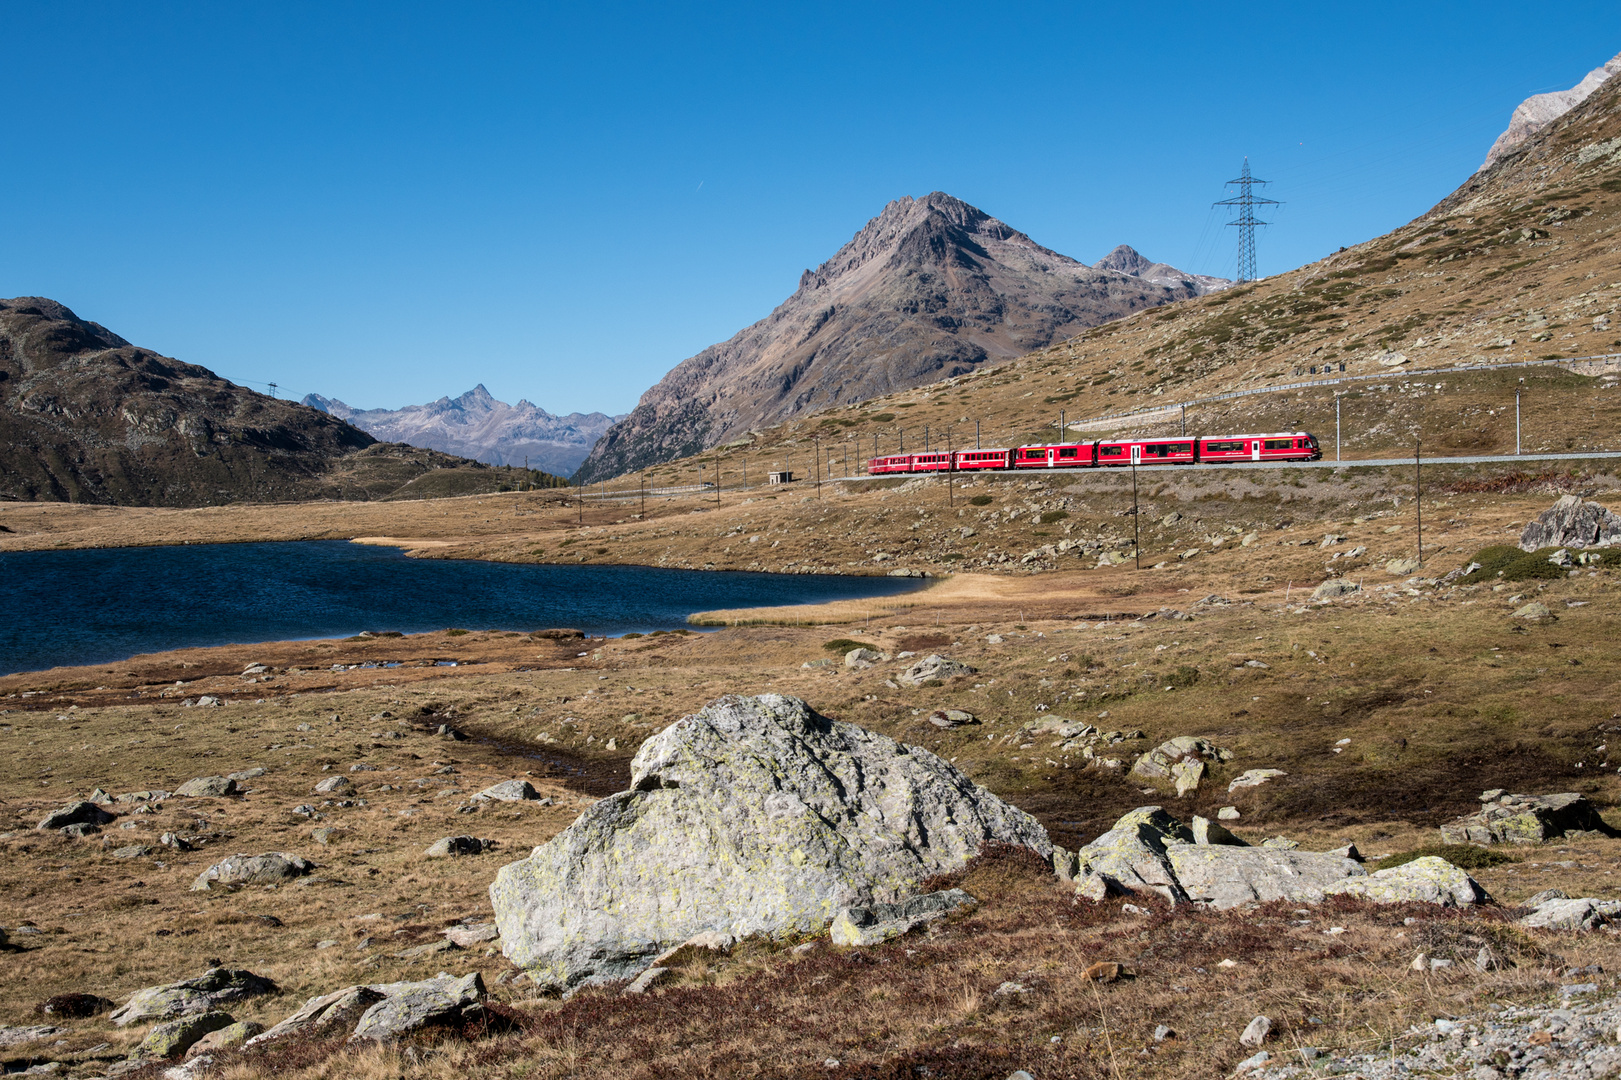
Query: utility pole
{"x": 643, "y": 487}
{"x": 925, "y": 438}
{"x": 1184, "y": 419}
{"x": 976, "y": 434}
{"x": 951, "y": 467}
{"x": 717, "y": 479}
{"x": 1136, "y": 523}
{"x": 1245, "y": 203}
{"x": 272, "y": 389}
{"x": 1517, "y": 390}
{"x": 1336, "y": 427}
{"x": 902, "y": 450}
{"x": 1063, "y": 425}
{"x": 1418, "y": 494}
{"x": 818, "y": 439}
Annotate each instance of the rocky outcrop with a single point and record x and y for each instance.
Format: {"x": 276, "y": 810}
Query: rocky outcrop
{"x": 475, "y": 425}
{"x": 1538, "y": 111}
{"x": 1429, "y": 880}
{"x": 1564, "y": 913}
{"x": 932, "y": 668}
{"x": 1181, "y": 761}
{"x": 214, "y": 987}
{"x": 271, "y": 868}
{"x": 1526, "y": 819}
{"x": 383, "y": 1012}
{"x": 755, "y": 815}
{"x": 175, "y": 1037}
{"x": 872, "y": 924}
{"x": 931, "y": 288}
{"x": 79, "y": 813}
{"x": 1572, "y": 523}
{"x": 1132, "y": 857}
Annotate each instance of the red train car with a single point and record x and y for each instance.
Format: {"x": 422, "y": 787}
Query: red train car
{"x": 1278, "y": 446}
{"x": 1178, "y": 451}
{"x": 969, "y": 460}
{"x": 894, "y": 463}
{"x": 933, "y": 461}
{"x": 1057, "y": 456}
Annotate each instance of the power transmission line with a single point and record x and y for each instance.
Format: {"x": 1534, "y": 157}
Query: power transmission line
{"x": 1246, "y": 202}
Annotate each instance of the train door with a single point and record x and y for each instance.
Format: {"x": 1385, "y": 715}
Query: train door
{"x": 1255, "y": 449}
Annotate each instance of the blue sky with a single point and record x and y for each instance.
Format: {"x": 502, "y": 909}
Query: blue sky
{"x": 389, "y": 202}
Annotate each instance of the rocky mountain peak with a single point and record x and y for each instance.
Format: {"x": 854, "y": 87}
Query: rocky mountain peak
{"x": 1539, "y": 110}
{"x": 1123, "y": 258}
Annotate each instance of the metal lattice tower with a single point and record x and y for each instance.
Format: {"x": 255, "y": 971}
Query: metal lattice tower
{"x": 1246, "y": 203}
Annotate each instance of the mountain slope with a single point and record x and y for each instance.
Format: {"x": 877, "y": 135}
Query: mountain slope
{"x": 1518, "y": 264}
{"x": 931, "y": 288}
{"x": 87, "y": 417}
{"x": 476, "y": 425}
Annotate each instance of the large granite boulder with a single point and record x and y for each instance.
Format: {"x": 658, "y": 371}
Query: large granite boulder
{"x": 1430, "y": 880}
{"x": 214, "y": 987}
{"x": 271, "y": 868}
{"x": 756, "y": 815}
{"x": 1227, "y": 876}
{"x": 1572, "y": 523}
{"x": 175, "y": 1037}
{"x": 1526, "y": 819}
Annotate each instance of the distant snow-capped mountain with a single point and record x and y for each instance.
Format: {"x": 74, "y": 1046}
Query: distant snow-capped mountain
{"x": 477, "y": 426}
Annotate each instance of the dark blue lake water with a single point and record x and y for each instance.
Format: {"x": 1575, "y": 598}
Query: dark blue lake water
{"x": 97, "y": 606}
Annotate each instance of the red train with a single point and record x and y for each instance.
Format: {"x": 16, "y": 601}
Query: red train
{"x": 1184, "y": 450}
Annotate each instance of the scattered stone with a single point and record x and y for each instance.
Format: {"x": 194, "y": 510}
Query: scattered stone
{"x": 1429, "y": 880}
{"x": 756, "y": 815}
{"x": 1334, "y": 589}
{"x": 465, "y": 937}
{"x": 73, "y": 1006}
{"x": 876, "y": 923}
{"x": 1227, "y": 813}
{"x": 1254, "y": 778}
{"x": 411, "y": 1006}
{"x": 131, "y": 851}
{"x": 207, "y": 787}
{"x": 244, "y": 776}
{"x": 335, "y": 785}
{"x": 1572, "y": 523}
{"x": 857, "y": 659}
{"x": 1206, "y": 831}
{"x": 216, "y": 986}
{"x": 175, "y": 841}
{"x": 952, "y": 718}
{"x": 271, "y": 868}
{"x": 1527, "y": 819}
{"x": 171, "y": 1039}
{"x": 141, "y": 797}
{"x": 508, "y": 791}
{"x": 225, "y": 1038}
{"x": 933, "y": 668}
{"x": 1181, "y": 760}
{"x": 80, "y": 830}
{"x": 1401, "y": 567}
{"x": 325, "y": 834}
{"x": 1583, "y": 913}
{"x": 325, "y": 1016}
{"x": 16, "y": 1036}
{"x": 456, "y": 845}
{"x": 1534, "y": 611}
{"x": 1257, "y": 1059}
{"x": 645, "y": 980}
{"x": 79, "y": 813}
{"x": 417, "y": 952}
{"x": 1545, "y": 895}
{"x": 1349, "y": 851}
{"x": 1255, "y": 1032}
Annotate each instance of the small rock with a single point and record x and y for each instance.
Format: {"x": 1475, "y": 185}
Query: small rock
{"x": 1227, "y": 813}
{"x": 131, "y": 851}
{"x": 207, "y": 787}
{"x": 325, "y": 834}
{"x": 171, "y": 1039}
{"x": 1254, "y": 1061}
{"x": 509, "y": 791}
{"x": 1161, "y": 1033}
{"x": 1254, "y": 778}
{"x": 410, "y": 1007}
{"x": 1534, "y": 611}
{"x": 952, "y": 718}
{"x": 79, "y": 813}
{"x": 430, "y": 949}
{"x": 1256, "y": 1032}
{"x": 857, "y": 659}
{"x": 645, "y": 980}
{"x": 80, "y": 830}
{"x": 931, "y": 668}
{"x": 73, "y": 1006}
{"x": 335, "y": 785}
{"x": 456, "y": 845}
{"x": 271, "y": 868}
{"x": 225, "y": 1038}
{"x": 465, "y": 937}
{"x": 1334, "y": 589}
{"x": 216, "y": 986}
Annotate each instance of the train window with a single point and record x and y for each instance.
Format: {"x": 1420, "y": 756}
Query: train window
{"x": 1182, "y": 448}
{"x": 1067, "y": 451}
{"x": 1223, "y": 447}
{"x": 1276, "y": 444}
{"x": 1156, "y": 451}
{"x": 1111, "y": 451}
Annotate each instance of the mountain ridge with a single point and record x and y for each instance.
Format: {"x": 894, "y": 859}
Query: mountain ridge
{"x": 477, "y": 425}
{"x": 930, "y": 288}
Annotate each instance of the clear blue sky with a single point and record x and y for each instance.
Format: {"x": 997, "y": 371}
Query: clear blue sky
{"x": 389, "y": 202}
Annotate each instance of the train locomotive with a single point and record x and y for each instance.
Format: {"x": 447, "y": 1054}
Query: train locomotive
{"x": 1183, "y": 450}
